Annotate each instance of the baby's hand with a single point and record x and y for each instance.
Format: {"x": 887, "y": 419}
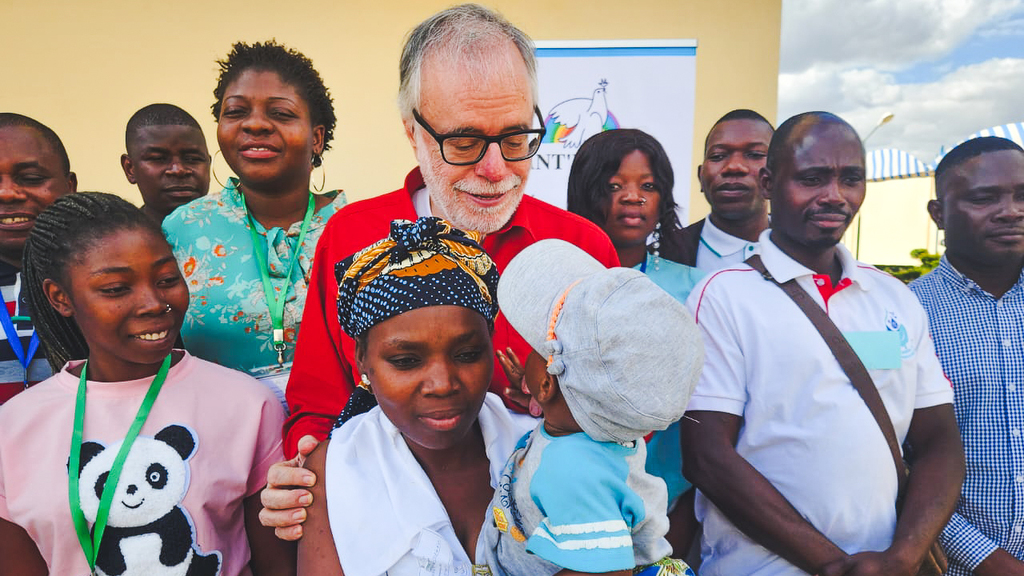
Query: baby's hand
{"x": 517, "y": 391}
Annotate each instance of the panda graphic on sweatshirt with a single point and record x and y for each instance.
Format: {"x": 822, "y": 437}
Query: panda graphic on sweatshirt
{"x": 148, "y": 533}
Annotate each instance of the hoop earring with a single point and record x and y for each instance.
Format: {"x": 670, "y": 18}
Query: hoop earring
{"x": 323, "y": 179}
{"x": 213, "y": 168}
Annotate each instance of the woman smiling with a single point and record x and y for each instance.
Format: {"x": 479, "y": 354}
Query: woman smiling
{"x": 246, "y": 251}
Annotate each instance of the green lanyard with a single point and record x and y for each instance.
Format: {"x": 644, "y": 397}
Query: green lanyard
{"x": 91, "y": 545}
{"x": 274, "y": 302}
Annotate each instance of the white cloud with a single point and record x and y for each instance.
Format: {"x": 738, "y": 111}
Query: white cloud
{"x": 1013, "y": 26}
{"x": 882, "y": 34}
{"x": 927, "y": 115}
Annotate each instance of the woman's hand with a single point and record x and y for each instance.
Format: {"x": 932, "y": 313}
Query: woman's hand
{"x": 285, "y": 498}
{"x": 517, "y": 391}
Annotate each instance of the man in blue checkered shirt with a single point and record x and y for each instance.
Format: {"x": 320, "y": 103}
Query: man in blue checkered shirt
{"x": 975, "y": 305}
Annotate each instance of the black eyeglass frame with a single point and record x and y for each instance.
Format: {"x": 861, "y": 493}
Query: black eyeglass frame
{"x": 488, "y": 140}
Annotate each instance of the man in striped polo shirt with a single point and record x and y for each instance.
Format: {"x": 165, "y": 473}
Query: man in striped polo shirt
{"x": 34, "y": 171}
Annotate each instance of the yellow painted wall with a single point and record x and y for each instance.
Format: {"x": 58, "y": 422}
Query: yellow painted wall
{"x": 84, "y": 67}
{"x": 893, "y": 221}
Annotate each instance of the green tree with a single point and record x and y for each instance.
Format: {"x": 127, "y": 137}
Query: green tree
{"x": 907, "y": 273}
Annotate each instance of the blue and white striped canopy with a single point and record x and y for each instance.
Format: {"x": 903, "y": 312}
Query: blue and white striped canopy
{"x": 1014, "y": 131}
{"x": 891, "y": 164}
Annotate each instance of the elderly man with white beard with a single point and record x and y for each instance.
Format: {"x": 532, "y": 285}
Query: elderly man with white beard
{"x": 468, "y": 99}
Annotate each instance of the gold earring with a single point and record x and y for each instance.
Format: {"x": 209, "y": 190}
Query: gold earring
{"x": 323, "y": 179}
{"x": 364, "y": 382}
{"x": 213, "y": 168}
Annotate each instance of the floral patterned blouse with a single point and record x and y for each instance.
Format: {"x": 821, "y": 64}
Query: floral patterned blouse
{"x": 228, "y": 319}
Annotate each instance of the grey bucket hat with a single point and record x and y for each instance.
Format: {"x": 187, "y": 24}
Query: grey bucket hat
{"x": 627, "y": 355}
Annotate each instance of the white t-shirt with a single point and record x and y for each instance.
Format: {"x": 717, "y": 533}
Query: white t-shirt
{"x": 805, "y": 428}
{"x": 385, "y": 516}
{"x": 231, "y": 423}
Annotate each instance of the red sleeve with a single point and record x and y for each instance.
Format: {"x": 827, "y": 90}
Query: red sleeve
{"x": 321, "y": 378}
{"x": 604, "y": 252}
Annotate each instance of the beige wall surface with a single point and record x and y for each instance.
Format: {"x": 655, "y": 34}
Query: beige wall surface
{"x": 893, "y": 220}
{"x": 83, "y": 68}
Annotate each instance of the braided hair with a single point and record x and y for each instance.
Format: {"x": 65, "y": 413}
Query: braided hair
{"x": 69, "y": 227}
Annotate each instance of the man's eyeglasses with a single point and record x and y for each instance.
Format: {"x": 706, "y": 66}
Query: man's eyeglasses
{"x": 466, "y": 149}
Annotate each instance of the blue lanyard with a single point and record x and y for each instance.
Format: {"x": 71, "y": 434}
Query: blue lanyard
{"x": 15, "y": 341}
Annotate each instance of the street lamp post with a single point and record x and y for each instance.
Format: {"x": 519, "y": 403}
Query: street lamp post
{"x": 881, "y": 121}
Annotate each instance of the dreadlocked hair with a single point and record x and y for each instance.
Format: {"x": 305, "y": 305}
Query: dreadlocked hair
{"x": 69, "y": 227}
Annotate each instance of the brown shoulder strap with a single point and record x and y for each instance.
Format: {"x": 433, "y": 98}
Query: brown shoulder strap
{"x": 847, "y": 358}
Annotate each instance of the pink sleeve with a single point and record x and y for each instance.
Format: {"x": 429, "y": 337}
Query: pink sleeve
{"x": 5, "y": 513}
{"x": 268, "y": 448}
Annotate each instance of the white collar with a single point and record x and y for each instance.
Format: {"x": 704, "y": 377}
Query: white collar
{"x": 784, "y": 268}
{"x": 376, "y": 488}
{"x": 421, "y": 203}
{"x": 720, "y": 242}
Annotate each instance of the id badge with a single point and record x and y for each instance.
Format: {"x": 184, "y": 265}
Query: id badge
{"x": 274, "y": 377}
{"x": 878, "y": 350}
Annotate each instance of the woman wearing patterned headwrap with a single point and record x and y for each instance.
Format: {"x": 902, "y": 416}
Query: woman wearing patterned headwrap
{"x": 405, "y": 484}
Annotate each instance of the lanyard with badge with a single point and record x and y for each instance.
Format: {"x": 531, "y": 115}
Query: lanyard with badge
{"x": 24, "y": 356}
{"x": 275, "y": 302}
{"x": 91, "y": 544}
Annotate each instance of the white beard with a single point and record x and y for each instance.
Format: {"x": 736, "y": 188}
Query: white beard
{"x": 462, "y": 212}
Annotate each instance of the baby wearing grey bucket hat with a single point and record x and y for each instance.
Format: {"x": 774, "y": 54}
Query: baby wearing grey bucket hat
{"x": 615, "y": 358}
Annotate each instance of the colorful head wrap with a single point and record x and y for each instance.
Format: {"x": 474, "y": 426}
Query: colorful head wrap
{"x": 421, "y": 263}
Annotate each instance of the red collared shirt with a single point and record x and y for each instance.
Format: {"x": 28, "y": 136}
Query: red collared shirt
{"x": 324, "y": 373}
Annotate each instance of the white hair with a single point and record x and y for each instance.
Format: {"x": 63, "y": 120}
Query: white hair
{"x": 467, "y": 34}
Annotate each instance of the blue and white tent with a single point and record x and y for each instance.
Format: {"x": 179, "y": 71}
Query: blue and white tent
{"x": 1014, "y": 131}
{"x": 891, "y": 164}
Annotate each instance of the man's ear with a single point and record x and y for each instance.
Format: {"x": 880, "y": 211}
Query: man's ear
{"x": 765, "y": 176}
{"x": 410, "y": 132}
{"x": 699, "y": 166}
{"x": 58, "y": 298}
{"x": 935, "y": 211}
{"x": 72, "y": 182}
{"x": 129, "y": 168}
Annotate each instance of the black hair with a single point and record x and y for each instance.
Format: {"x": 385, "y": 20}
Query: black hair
{"x": 599, "y": 158}
{"x": 11, "y": 119}
{"x": 67, "y": 228}
{"x": 294, "y": 69}
{"x": 971, "y": 149}
{"x": 737, "y": 114}
{"x": 157, "y": 115}
{"x": 780, "y": 139}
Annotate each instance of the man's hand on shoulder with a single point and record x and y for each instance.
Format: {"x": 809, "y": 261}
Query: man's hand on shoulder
{"x": 285, "y": 498}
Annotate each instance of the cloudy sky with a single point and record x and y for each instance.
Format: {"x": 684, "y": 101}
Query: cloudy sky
{"x": 944, "y": 68}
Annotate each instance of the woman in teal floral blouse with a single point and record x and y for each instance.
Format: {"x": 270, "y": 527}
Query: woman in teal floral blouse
{"x": 247, "y": 250}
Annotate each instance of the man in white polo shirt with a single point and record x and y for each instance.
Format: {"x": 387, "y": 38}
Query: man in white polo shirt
{"x": 794, "y": 474}
{"x": 734, "y": 153}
